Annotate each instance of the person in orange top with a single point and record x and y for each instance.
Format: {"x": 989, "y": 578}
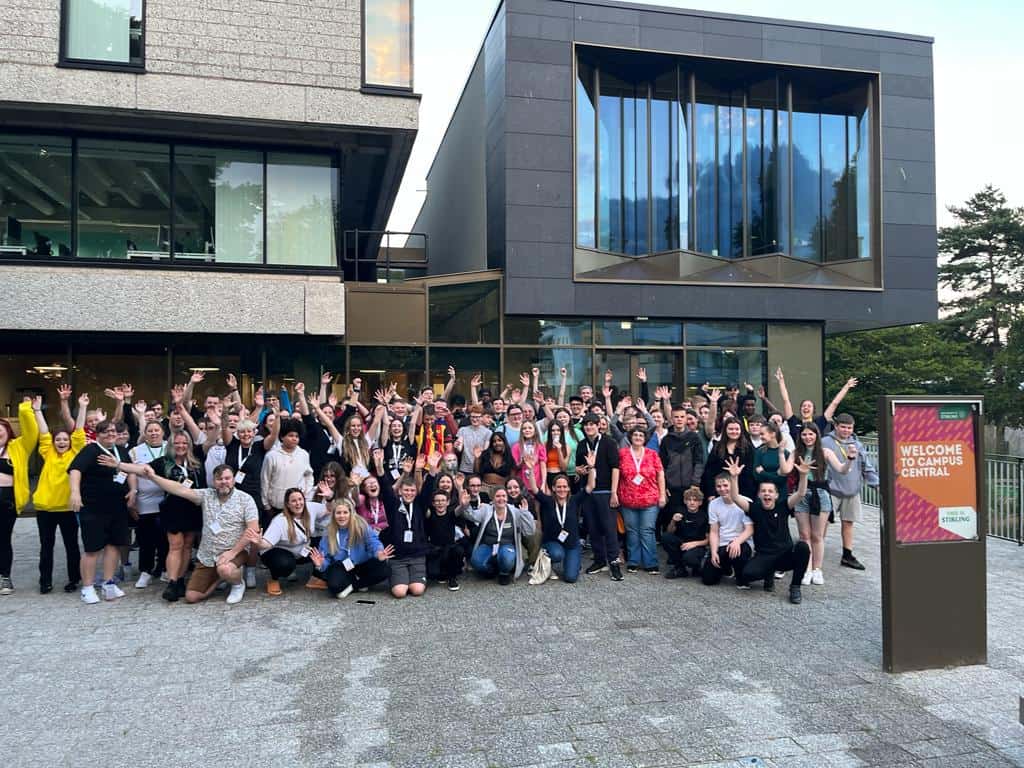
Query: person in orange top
{"x": 638, "y": 484}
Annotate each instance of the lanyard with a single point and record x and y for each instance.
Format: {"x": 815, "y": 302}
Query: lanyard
{"x": 636, "y": 462}
{"x": 561, "y": 510}
{"x": 184, "y": 470}
{"x": 376, "y": 511}
{"x": 153, "y": 455}
{"x": 408, "y": 515}
{"x": 242, "y": 461}
{"x": 396, "y": 451}
{"x": 111, "y": 452}
{"x": 498, "y": 526}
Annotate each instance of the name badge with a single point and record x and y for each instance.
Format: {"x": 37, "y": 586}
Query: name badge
{"x": 186, "y": 483}
{"x": 407, "y": 538}
{"x": 638, "y": 480}
{"x": 395, "y": 474}
{"x": 215, "y": 526}
{"x": 563, "y": 535}
{"x": 120, "y": 477}
{"x": 494, "y": 550}
{"x": 239, "y": 477}
{"x": 304, "y": 552}
{"x": 349, "y": 565}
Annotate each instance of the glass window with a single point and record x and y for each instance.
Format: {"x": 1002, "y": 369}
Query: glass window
{"x": 555, "y": 333}
{"x": 305, "y": 361}
{"x": 218, "y": 205}
{"x": 98, "y": 366}
{"x": 577, "y": 363}
{"x": 725, "y": 334}
{"x": 403, "y": 366}
{"x": 663, "y": 369}
{"x": 668, "y": 146}
{"x": 806, "y": 185}
{"x": 638, "y": 333}
{"x": 719, "y": 368}
{"x": 302, "y": 208}
{"x": 466, "y": 313}
{"x": 623, "y": 165}
{"x": 124, "y": 200}
{"x": 33, "y": 368}
{"x": 387, "y": 43}
{"x": 586, "y": 165}
{"x": 107, "y": 31}
{"x": 468, "y": 362}
{"x": 35, "y": 196}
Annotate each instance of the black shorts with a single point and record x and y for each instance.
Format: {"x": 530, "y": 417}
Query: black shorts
{"x": 175, "y": 519}
{"x": 103, "y": 528}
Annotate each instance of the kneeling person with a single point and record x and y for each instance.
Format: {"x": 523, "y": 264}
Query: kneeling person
{"x": 230, "y": 525}
{"x": 775, "y": 548}
{"x": 287, "y": 541}
{"x": 350, "y": 554}
{"x": 686, "y": 537}
{"x": 730, "y": 529}
{"x": 497, "y": 550}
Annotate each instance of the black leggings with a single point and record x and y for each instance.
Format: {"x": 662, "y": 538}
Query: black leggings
{"x": 366, "y": 574}
{"x": 48, "y": 523}
{"x": 280, "y": 562}
{"x": 765, "y": 565}
{"x": 712, "y": 575}
{"x": 152, "y": 545}
{"x": 8, "y": 516}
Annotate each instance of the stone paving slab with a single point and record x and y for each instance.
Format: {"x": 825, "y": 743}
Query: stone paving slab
{"x": 646, "y": 672}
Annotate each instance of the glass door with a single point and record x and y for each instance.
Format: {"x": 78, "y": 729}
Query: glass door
{"x": 663, "y": 367}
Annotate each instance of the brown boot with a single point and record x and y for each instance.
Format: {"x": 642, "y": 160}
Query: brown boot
{"x": 273, "y": 587}
{"x": 315, "y": 582}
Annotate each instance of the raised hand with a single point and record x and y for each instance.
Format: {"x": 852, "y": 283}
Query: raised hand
{"x": 715, "y": 395}
{"x": 421, "y": 462}
{"x": 536, "y": 372}
{"x": 258, "y": 399}
{"x": 128, "y": 391}
{"x": 332, "y": 400}
{"x": 563, "y": 372}
{"x": 538, "y": 396}
{"x": 804, "y": 467}
{"x": 197, "y": 376}
{"x": 733, "y": 466}
{"x": 606, "y": 390}
{"x": 464, "y": 498}
{"x": 231, "y": 381}
{"x": 433, "y": 461}
{"x": 476, "y": 380}
{"x": 83, "y": 400}
{"x": 37, "y": 402}
{"x": 530, "y": 459}
{"x": 313, "y": 400}
{"x": 378, "y": 455}
{"x": 408, "y": 464}
{"x": 760, "y": 392}
{"x": 300, "y": 388}
{"x": 591, "y": 459}
{"x": 115, "y": 393}
{"x": 451, "y": 371}
{"x": 851, "y": 382}
{"x": 778, "y": 374}
{"x": 101, "y": 415}
{"x": 380, "y": 397}
{"x": 64, "y": 391}
{"x": 326, "y": 377}
{"x": 524, "y": 379}
{"x": 641, "y": 373}
{"x": 140, "y": 408}
{"x": 178, "y": 392}
{"x": 325, "y": 491}
{"x": 661, "y": 392}
{"x": 608, "y": 376}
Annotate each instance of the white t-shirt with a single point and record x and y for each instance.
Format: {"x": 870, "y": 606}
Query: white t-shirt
{"x": 277, "y": 534}
{"x": 730, "y": 518}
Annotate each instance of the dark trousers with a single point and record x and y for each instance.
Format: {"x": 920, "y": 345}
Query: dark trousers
{"x": 675, "y": 504}
{"x": 366, "y": 574}
{"x": 764, "y": 565}
{"x": 446, "y": 561}
{"x": 48, "y": 523}
{"x": 280, "y": 562}
{"x": 152, "y": 545}
{"x": 604, "y": 533}
{"x": 691, "y": 558}
{"x": 726, "y": 565}
{"x": 7, "y": 519}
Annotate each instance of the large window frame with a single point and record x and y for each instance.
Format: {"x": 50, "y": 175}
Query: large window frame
{"x": 187, "y": 263}
{"x": 64, "y": 60}
{"x": 385, "y": 89}
{"x": 596, "y": 264}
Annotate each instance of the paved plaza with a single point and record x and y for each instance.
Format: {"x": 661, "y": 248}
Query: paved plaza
{"x": 646, "y": 672}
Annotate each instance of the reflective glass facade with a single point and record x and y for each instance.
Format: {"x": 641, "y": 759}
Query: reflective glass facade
{"x": 387, "y": 43}
{"x": 103, "y": 32}
{"x": 725, "y": 159}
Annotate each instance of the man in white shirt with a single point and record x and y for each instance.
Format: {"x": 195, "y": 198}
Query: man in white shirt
{"x": 730, "y": 530}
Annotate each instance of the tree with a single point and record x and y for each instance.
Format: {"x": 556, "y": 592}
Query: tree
{"x": 930, "y": 359}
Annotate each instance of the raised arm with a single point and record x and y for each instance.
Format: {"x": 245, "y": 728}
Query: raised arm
{"x": 450, "y": 386}
{"x": 840, "y": 466}
{"x": 709, "y": 423}
{"x": 787, "y": 405}
{"x": 322, "y": 417}
{"x": 563, "y": 374}
{"x": 524, "y": 379}
{"x": 734, "y": 468}
{"x": 767, "y": 406}
{"x": 117, "y": 395}
{"x": 190, "y": 385}
{"x": 831, "y": 410}
{"x": 301, "y": 405}
{"x": 801, "y": 490}
{"x": 64, "y": 390}
{"x": 37, "y": 411}
{"x": 474, "y": 386}
{"x": 271, "y": 439}
{"x": 83, "y": 408}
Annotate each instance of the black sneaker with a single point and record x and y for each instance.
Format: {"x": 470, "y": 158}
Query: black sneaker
{"x": 852, "y": 562}
{"x": 45, "y": 589}
{"x": 795, "y": 596}
{"x": 71, "y": 586}
{"x": 616, "y": 570}
{"x": 453, "y": 584}
{"x": 596, "y": 567}
{"x": 769, "y": 584}
{"x": 504, "y": 579}
{"x": 174, "y": 591}
{"x": 654, "y": 570}
{"x": 675, "y": 573}
{"x": 632, "y": 569}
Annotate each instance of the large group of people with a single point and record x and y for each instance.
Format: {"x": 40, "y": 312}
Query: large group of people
{"x": 372, "y": 489}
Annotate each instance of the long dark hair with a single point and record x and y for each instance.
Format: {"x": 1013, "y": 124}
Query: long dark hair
{"x": 506, "y": 456}
{"x": 817, "y": 452}
{"x": 743, "y": 446}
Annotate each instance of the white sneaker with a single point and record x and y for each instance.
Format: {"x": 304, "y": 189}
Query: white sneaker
{"x": 780, "y": 574}
{"x": 111, "y": 591}
{"x": 89, "y": 595}
{"x": 806, "y": 580}
{"x": 817, "y": 577}
{"x": 553, "y": 576}
{"x": 250, "y": 577}
{"x": 236, "y": 593}
{"x": 344, "y": 593}
{"x": 164, "y": 577}
{"x": 144, "y": 580}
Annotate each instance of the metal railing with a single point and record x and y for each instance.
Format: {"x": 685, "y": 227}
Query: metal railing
{"x": 1004, "y": 479}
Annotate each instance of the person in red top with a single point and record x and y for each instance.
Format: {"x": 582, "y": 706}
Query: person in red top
{"x": 638, "y": 484}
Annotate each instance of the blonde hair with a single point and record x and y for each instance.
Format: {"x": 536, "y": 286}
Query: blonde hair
{"x": 358, "y": 530}
{"x": 290, "y": 518}
{"x": 355, "y": 450}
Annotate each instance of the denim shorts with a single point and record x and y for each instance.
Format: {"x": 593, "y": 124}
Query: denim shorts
{"x": 823, "y": 497}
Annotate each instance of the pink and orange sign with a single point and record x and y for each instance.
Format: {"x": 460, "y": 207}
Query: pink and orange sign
{"x": 934, "y": 466}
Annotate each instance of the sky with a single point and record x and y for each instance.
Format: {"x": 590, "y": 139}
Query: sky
{"x": 979, "y": 70}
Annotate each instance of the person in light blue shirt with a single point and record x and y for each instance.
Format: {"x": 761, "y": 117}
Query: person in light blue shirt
{"x": 351, "y": 556}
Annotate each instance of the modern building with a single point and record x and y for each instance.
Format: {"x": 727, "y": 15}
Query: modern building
{"x": 203, "y": 185}
{"x": 702, "y": 195}
{"x": 176, "y": 177}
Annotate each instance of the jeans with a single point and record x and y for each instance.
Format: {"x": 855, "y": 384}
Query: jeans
{"x": 487, "y": 564}
{"x": 48, "y": 523}
{"x": 764, "y": 565}
{"x": 569, "y": 557}
{"x": 641, "y": 548}
{"x": 373, "y": 571}
{"x": 712, "y": 575}
{"x": 601, "y": 523}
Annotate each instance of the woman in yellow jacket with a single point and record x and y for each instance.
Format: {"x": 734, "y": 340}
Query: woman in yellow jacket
{"x": 52, "y": 498}
{"x": 14, "y": 489}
